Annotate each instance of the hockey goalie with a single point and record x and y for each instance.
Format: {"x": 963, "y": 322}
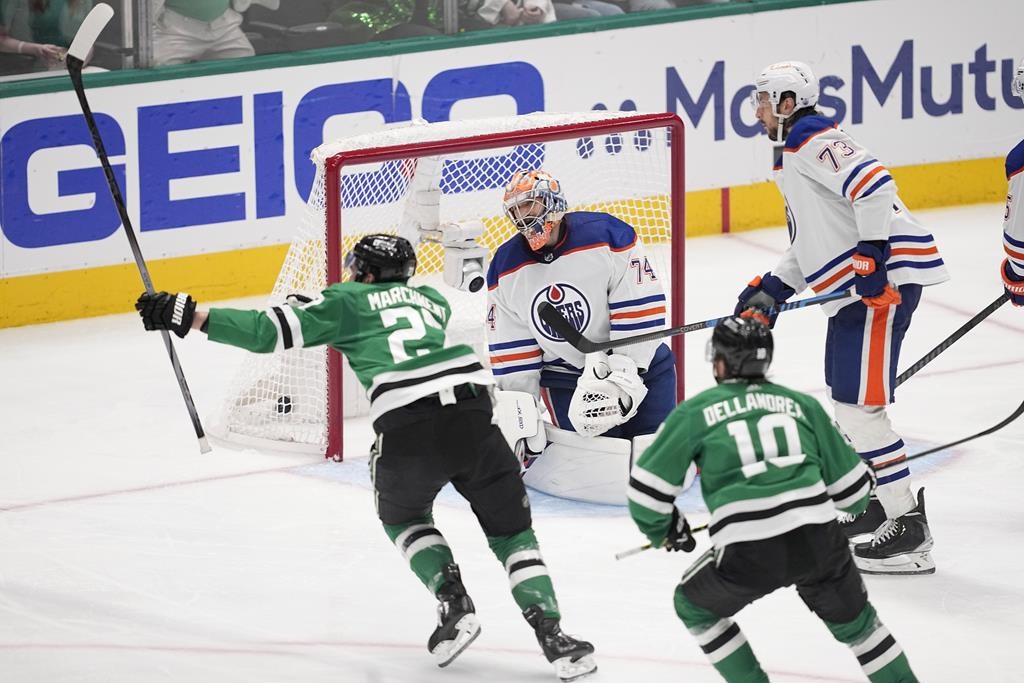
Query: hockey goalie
{"x": 603, "y": 408}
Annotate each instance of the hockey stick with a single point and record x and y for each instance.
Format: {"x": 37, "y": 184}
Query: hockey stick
{"x": 557, "y": 322}
{"x": 84, "y": 40}
{"x": 647, "y": 546}
{"x": 952, "y": 339}
{"x": 1013, "y": 416}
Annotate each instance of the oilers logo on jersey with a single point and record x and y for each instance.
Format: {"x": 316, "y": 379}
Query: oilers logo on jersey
{"x": 569, "y": 301}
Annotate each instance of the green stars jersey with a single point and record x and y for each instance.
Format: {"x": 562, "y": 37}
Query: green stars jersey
{"x": 770, "y": 461}
{"x": 392, "y": 334}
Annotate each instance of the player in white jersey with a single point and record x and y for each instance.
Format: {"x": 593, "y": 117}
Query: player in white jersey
{"x": 849, "y": 229}
{"x": 593, "y": 268}
{"x": 1012, "y": 268}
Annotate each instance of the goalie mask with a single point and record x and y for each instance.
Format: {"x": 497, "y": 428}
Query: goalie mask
{"x": 745, "y": 345}
{"x": 1018, "y": 81}
{"x": 786, "y": 77}
{"x": 535, "y": 204}
{"x": 389, "y": 258}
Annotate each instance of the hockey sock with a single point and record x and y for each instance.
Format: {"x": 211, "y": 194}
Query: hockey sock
{"x": 722, "y": 641}
{"x": 424, "y": 548}
{"x": 527, "y": 574}
{"x": 879, "y": 654}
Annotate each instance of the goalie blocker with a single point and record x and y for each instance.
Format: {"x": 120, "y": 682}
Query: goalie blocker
{"x": 563, "y": 463}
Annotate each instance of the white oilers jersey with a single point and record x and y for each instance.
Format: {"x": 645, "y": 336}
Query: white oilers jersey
{"x": 1013, "y": 220}
{"x": 600, "y": 279}
{"x": 838, "y": 194}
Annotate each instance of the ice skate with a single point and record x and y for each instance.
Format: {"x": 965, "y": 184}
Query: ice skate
{"x": 900, "y": 546}
{"x": 457, "y": 624}
{"x": 571, "y": 658}
{"x": 864, "y": 523}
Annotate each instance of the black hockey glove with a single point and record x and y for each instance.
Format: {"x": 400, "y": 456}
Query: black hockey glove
{"x": 679, "y": 536}
{"x": 163, "y": 311}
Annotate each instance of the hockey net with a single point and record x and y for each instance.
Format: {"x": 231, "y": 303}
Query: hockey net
{"x": 411, "y": 179}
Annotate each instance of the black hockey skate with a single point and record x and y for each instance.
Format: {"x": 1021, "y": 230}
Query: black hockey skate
{"x": 571, "y": 657}
{"x": 864, "y": 523}
{"x": 900, "y": 546}
{"x": 457, "y": 624}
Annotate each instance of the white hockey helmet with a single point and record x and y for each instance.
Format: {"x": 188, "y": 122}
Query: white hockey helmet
{"x": 782, "y": 77}
{"x": 1018, "y": 81}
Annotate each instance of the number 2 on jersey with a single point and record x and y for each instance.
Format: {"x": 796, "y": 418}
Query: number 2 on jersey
{"x": 416, "y": 330}
{"x": 766, "y": 426}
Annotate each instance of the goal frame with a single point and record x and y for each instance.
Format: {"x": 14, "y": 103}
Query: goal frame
{"x": 335, "y": 164}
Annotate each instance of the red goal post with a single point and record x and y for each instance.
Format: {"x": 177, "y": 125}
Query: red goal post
{"x": 411, "y": 178}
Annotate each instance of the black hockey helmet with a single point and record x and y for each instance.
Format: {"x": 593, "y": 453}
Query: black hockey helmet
{"x": 746, "y": 346}
{"x": 389, "y": 258}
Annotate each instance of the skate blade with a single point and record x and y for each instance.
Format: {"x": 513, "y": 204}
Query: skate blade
{"x": 568, "y": 670}
{"x": 911, "y": 564}
{"x": 466, "y": 631}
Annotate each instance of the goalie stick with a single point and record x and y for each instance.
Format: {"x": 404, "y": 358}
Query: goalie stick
{"x": 81, "y": 46}
{"x": 550, "y": 315}
{"x": 952, "y": 339}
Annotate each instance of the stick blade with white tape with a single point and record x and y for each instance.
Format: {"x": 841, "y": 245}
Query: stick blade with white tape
{"x": 81, "y": 47}
{"x": 89, "y": 31}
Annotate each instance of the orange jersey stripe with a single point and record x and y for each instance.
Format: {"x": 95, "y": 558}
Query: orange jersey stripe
{"x": 864, "y": 181}
{"x": 515, "y": 356}
{"x": 888, "y": 463}
{"x": 625, "y": 248}
{"x": 915, "y": 251}
{"x": 1012, "y": 253}
{"x": 637, "y": 314}
{"x": 843, "y": 272}
{"x": 874, "y": 395}
{"x": 509, "y": 272}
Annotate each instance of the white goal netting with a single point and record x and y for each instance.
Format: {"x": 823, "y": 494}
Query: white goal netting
{"x": 414, "y": 178}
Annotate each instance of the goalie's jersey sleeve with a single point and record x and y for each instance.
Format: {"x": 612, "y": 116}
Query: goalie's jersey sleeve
{"x": 837, "y": 194}
{"x": 1013, "y": 220}
{"x": 392, "y": 334}
{"x": 770, "y": 461}
{"x": 598, "y": 276}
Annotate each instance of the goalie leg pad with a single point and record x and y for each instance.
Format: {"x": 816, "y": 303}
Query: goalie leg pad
{"x": 588, "y": 469}
{"x": 519, "y": 418}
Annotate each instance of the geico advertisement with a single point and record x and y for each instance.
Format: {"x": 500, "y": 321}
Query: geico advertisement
{"x": 222, "y": 162}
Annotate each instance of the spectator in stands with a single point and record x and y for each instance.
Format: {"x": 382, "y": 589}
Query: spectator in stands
{"x": 388, "y": 21}
{"x": 198, "y": 30}
{"x": 648, "y": 5}
{"x": 51, "y": 54}
{"x": 585, "y": 9}
{"x": 40, "y": 29}
{"x": 476, "y": 14}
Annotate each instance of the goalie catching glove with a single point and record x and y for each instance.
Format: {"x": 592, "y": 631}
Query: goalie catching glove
{"x": 608, "y": 393}
{"x": 163, "y": 311}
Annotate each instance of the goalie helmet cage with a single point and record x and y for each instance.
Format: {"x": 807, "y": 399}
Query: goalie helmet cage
{"x": 411, "y": 179}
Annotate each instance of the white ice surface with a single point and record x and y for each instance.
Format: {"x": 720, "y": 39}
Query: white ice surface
{"x": 125, "y": 555}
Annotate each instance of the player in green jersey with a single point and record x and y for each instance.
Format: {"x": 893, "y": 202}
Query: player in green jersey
{"x": 431, "y": 411}
{"x": 773, "y": 471}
